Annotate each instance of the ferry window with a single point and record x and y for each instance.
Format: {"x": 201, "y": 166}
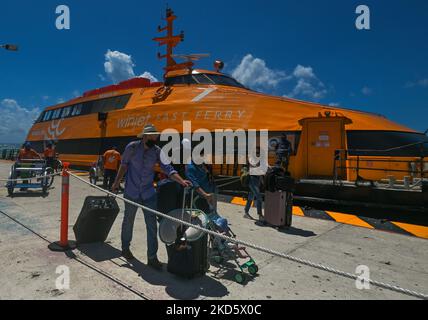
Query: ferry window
{"x": 187, "y": 79}
{"x": 225, "y": 81}
{"x": 203, "y": 79}
{"x": 109, "y": 104}
{"x": 66, "y": 112}
{"x": 47, "y": 115}
{"x": 40, "y": 118}
{"x": 386, "y": 143}
{"x": 77, "y": 109}
{"x": 56, "y": 113}
{"x": 122, "y": 101}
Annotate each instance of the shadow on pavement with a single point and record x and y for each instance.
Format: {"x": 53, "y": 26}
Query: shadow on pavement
{"x": 175, "y": 287}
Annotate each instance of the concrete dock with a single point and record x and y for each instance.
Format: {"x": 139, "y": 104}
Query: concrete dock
{"x": 30, "y": 221}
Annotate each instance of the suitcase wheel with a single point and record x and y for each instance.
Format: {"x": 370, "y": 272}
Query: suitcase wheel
{"x": 240, "y": 277}
{"x": 253, "y": 269}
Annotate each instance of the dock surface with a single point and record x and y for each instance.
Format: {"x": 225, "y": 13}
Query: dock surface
{"x": 30, "y": 221}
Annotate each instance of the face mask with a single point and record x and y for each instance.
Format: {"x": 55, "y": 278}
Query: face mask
{"x": 150, "y": 143}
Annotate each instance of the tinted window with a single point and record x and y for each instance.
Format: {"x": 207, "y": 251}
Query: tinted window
{"x": 66, "y": 112}
{"x": 204, "y": 79}
{"x": 386, "y": 143}
{"x": 47, "y": 115}
{"x": 225, "y": 81}
{"x": 93, "y": 106}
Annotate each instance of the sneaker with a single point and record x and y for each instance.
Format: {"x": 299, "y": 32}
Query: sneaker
{"x": 155, "y": 263}
{"x": 127, "y": 254}
{"x": 261, "y": 218}
{"x": 247, "y": 216}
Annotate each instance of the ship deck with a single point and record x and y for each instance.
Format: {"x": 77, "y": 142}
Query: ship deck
{"x": 30, "y": 221}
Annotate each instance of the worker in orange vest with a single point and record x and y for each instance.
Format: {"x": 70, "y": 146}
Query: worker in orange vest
{"x": 111, "y": 165}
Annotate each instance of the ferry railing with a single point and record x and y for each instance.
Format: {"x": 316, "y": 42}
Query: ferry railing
{"x": 351, "y": 159}
{"x": 8, "y": 153}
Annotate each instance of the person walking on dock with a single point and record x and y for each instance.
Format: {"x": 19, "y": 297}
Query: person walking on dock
{"x": 138, "y": 163}
{"x": 111, "y": 160}
{"x": 49, "y": 154}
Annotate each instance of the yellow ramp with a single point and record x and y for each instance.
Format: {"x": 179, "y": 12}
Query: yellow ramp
{"x": 349, "y": 219}
{"x": 419, "y": 231}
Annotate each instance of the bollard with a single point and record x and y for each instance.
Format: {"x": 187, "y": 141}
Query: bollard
{"x": 64, "y": 244}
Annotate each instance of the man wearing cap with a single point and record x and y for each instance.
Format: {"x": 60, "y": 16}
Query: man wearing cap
{"x": 138, "y": 161}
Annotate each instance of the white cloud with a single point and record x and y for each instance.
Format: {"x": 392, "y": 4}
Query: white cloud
{"x": 15, "y": 121}
{"x": 119, "y": 67}
{"x": 423, "y": 83}
{"x": 148, "y": 75}
{"x": 302, "y": 72}
{"x": 334, "y": 104}
{"x": 254, "y": 73}
{"x": 367, "y": 91}
{"x": 308, "y": 85}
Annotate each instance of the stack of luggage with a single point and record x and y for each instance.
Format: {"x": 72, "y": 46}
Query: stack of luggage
{"x": 187, "y": 258}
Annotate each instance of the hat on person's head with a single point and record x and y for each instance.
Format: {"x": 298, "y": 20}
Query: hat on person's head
{"x": 148, "y": 130}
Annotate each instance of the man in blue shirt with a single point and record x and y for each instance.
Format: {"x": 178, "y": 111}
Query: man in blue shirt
{"x": 138, "y": 162}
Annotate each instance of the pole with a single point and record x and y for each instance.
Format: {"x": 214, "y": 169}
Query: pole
{"x": 65, "y": 193}
{"x": 64, "y": 244}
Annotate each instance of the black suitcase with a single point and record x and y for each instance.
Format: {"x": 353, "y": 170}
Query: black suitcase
{"x": 95, "y": 219}
{"x": 191, "y": 261}
{"x": 170, "y": 195}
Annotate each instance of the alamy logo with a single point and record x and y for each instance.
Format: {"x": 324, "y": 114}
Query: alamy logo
{"x": 62, "y": 22}
{"x": 363, "y": 279}
{"x": 63, "y": 280}
{"x": 363, "y": 20}
{"x": 219, "y": 147}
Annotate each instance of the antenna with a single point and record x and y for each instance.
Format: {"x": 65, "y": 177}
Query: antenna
{"x": 191, "y": 57}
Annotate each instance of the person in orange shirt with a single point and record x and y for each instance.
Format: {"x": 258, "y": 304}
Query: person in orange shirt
{"x": 111, "y": 165}
{"x": 49, "y": 154}
{"x": 28, "y": 153}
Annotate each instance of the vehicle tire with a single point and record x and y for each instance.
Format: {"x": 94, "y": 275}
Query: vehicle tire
{"x": 49, "y": 180}
{"x": 58, "y": 165}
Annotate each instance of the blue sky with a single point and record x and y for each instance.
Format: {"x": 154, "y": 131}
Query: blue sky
{"x": 307, "y": 49}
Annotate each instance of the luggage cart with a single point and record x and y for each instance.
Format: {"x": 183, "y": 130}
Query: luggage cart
{"x": 30, "y": 174}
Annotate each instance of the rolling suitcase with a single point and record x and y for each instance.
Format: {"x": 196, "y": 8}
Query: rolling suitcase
{"x": 95, "y": 219}
{"x": 278, "y": 208}
{"x": 190, "y": 260}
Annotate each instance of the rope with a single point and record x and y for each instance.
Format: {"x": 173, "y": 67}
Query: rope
{"x": 260, "y": 248}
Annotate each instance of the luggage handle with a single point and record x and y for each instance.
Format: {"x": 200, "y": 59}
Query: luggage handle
{"x": 186, "y": 190}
